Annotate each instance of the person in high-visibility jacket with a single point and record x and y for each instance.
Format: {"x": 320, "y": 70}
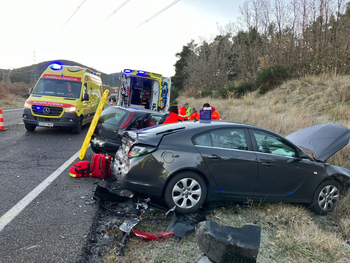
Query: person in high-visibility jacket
{"x": 183, "y": 112}
{"x": 173, "y": 117}
{"x": 194, "y": 114}
{"x": 214, "y": 114}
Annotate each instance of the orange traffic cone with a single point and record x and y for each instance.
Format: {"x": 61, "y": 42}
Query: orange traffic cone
{"x": 2, "y": 126}
{"x": 111, "y": 102}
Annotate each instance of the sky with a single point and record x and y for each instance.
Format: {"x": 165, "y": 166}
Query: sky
{"x": 95, "y": 33}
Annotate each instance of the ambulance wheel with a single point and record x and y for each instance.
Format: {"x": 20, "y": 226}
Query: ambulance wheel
{"x": 30, "y": 127}
{"x": 77, "y": 129}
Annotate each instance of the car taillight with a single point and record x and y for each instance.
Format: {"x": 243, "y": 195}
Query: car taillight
{"x": 128, "y": 120}
{"x": 140, "y": 150}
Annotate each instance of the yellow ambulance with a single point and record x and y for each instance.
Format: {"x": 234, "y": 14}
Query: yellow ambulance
{"x": 143, "y": 89}
{"x": 64, "y": 96}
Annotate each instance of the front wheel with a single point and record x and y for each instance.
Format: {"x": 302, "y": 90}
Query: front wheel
{"x": 30, "y": 127}
{"x": 325, "y": 197}
{"x": 77, "y": 129}
{"x": 186, "y": 191}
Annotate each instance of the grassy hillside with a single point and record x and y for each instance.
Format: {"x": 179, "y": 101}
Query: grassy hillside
{"x": 26, "y": 74}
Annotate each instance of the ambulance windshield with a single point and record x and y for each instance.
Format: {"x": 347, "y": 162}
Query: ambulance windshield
{"x": 58, "y": 88}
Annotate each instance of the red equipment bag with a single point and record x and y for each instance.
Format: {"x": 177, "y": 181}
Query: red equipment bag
{"x": 80, "y": 169}
{"x": 101, "y": 165}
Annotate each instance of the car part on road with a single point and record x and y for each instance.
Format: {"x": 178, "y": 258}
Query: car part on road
{"x": 180, "y": 225}
{"x": 112, "y": 195}
{"x": 228, "y": 244}
{"x": 151, "y": 236}
{"x": 186, "y": 191}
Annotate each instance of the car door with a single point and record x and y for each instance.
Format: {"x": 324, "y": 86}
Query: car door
{"x": 227, "y": 156}
{"x": 282, "y": 174}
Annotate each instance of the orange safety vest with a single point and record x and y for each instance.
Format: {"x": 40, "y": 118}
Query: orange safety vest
{"x": 194, "y": 115}
{"x": 215, "y": 116}
{"x": 172, "y": 118}
{"x": 183, "y": 114}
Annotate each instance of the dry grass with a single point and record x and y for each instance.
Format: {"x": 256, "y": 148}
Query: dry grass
{"x": 13, "y": 95}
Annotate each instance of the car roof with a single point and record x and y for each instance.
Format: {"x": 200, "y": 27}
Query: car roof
{"x": 137, "y": 110}
{"x": 189, "y": 125}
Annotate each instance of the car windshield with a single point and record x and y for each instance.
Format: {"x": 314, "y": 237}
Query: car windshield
{"x": 113, "y": 116}
{"x": 58, "y": 88}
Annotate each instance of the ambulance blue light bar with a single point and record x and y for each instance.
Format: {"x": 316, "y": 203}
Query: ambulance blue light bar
{"x": 56, "y": 66}
{"x": 127, "y": 70}
{"x": 141, "y": 72}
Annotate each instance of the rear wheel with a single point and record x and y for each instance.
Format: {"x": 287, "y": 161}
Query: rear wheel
{"x": 186, "y": 191}
{"x": 95, "y": 150}
{"x": 77, "y": 129}
{"x": 30, "y": 127}
{"x": 325, "y": 197}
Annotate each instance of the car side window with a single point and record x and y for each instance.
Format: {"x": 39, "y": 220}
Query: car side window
{"x": 136, "y": 124}
{"x": 155, "y": 120}
{"x": 202, "y": 139}
{"x": 268, "y": 143}
{"x": 231, "y": 138}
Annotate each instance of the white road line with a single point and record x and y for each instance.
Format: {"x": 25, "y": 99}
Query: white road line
{"x": 12, "y": 110}
{"x": 19, "y": 207}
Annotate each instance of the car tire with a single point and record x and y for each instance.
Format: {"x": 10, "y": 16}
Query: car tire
{"x": 77, "y": 129}
{"x": 186, "y": 199}
{"x": 95, "y": 150}
{"x": 325, "y": 197}
{"x": 30, "y": 127}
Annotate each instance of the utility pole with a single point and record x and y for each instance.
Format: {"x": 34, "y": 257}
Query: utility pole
{"x": 6, "y": 76}
{"x": 34, "y": 74}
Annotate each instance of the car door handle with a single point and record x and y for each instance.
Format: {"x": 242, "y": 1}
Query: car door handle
{"x": 268, "y": 164}
{"x": 214, "y": 157}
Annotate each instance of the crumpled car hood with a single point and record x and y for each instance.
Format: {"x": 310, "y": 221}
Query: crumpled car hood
{"x": 323, "y": 139}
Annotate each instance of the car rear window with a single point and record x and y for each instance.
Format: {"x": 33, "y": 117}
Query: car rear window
{"x": 114, "y": 116}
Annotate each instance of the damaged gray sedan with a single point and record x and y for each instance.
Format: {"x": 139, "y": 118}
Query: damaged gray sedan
{"x": 189, "y": 163}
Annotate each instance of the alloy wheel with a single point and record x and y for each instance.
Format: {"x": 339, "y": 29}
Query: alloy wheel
{"x": 186, "y": 193}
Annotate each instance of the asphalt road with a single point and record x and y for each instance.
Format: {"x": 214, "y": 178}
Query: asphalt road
{"x": 54, "y": 226}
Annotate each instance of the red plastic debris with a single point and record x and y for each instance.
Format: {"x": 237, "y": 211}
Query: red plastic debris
{"x": 151, "y": 236}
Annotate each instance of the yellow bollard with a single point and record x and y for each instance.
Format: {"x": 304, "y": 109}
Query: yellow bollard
{"x": 93, "y": 125}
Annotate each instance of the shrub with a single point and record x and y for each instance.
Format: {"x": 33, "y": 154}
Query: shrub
{"x": 270, "y": 77}
{"x": 240, "y": 90}
{"x": 221, "y": 93}
{"x": 206, "y": 93}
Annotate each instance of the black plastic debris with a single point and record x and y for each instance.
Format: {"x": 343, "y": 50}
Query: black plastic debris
{"x": 224, "y": 244}
{"x": 119, "y": 195}
{"x": 180, "y": 225}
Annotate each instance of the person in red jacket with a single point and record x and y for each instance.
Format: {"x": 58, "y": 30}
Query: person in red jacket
{"x": 194, "y": 115}
{"x": 183, "y": 112}
{"x": 214, "y": 114}
{"x": 173, "y": 117}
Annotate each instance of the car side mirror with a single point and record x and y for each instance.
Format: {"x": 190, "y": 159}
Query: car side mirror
{"x": 30, "y": 91}
{"x": 86, "y": 97}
